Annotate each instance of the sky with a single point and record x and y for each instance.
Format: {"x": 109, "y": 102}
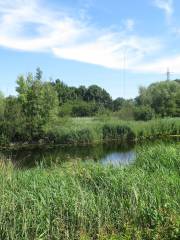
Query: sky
{"x": 119, "y": 45}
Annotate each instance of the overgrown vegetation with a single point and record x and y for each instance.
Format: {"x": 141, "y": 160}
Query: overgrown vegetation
{"x": 97, "y": 130}
{"x": 42, "y": 110}
{"x": 93, "y": 201}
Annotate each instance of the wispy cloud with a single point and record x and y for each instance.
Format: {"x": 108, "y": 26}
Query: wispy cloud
{"x": 160, "y": 65}
{"x": 51, "y": 28}
{"x": 129, "y": 24}
{"x": 109, "y": 50}
{"x": 166, "y": 6}
{"x": 70, "y": 38}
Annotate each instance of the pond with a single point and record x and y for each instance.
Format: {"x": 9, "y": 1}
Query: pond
{"x": 115, "y": 154}
{"x": 46, "y": 155}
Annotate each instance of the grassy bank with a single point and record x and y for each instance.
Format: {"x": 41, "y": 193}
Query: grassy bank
{"x": 94, "y": 130}
{"x": 89, "y": 131}
{"x": 91, "y": 201}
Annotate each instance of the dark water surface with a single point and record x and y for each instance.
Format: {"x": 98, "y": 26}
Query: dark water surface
{"x": 109, "y": 153}
{"x": 114, "y": 154}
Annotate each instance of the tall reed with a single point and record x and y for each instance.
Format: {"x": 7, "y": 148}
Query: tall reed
{"x": 93, "y": 130}
{"x": 92, "y": 201}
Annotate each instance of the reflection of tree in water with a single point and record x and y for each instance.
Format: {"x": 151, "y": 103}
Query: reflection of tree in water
{"x": 32, "y": 157}
{"x": 47, "y": 156}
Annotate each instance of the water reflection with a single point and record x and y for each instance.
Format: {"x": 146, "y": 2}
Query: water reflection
{"x": 111, "y": 153}
{"x": 104, "y": 153}
{"x": 119, "y": 158}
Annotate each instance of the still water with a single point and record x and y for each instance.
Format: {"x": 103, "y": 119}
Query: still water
{"x": 109, "y": 153}
{"x": 114, "y": 154}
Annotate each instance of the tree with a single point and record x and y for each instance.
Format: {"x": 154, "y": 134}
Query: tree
{"x": 39, "y": 103}
{"x": 62, "y": 90}
{"x": 3, "y": 138}
{"x": 39, "y": 74}
{"x": 81, "y": 92}
{"x": 96, "y": 94}
{"x": 177, "y": 80}
{"x": 84, "y": 109}
{"x": 118, "y": 104}
{"x": 127, "y": 110}
{"x": 144, "y": 113}
{"x": 2, "y": 105}
{"x": 162, "y": 97}
{"x": 14, "y": 122}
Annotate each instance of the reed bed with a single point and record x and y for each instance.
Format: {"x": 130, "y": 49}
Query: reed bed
{"x": 97, "y": 130}
{"x": 91, "y": 201}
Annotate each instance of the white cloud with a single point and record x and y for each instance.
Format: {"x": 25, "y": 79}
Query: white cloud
{"x": 166, "y": 6}
{"x": 52, "y": 29}
{"x": 69, "y": 38}
{"x": 160, "y": 65}
{"x": 110, "y": 50}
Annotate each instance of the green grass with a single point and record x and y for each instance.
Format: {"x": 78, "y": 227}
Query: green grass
{"x": 92, "y": 201}
{"x": 96, "y": 130}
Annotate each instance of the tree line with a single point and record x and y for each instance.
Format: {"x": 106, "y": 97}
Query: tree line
{"x": 39, "y": 102}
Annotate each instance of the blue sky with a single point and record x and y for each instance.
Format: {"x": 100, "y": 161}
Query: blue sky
{"x": 118, "y": 44}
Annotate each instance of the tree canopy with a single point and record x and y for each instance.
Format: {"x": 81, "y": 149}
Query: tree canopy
{"x": 39, "y": 103}
{"x": 163, "y": 97}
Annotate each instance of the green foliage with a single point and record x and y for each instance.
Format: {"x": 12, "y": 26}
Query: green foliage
{"x": 107, "y": 129}
{"x": 66, "y": 109}
{"x": 39, "y": 74}
{"x": 92, "y": 94}
{"x": 39, "y": 103}
{"x": 84, "y": 109}
{"x": 162, "y": 97}
{"x": 79, "y": 108}
{"x": 144, "y": 113}
{"x": 127, "y": 110}
{"x": 159, "y": 163}
{"x": 117, "y": 132}
{"x": 2, "y": 105}
{"x": 13, "y": 123}
{"x": 82, "y": 136}
{"x": 64, "y": 92}
{"x": 118, "y": 104}
{"x": 98, "y": 95}
{"x": 92, "y": 201}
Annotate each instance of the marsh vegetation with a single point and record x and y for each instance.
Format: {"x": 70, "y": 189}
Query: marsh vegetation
{"x": 73, "y": 191}
{"x": 51, "y": 111}
{"x": 94, "y": 201}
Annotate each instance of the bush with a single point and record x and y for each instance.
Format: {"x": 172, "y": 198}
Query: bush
{"x": 144, "y": 113}
{"x": 83, "y": 136}
{"x": 64, "y": 136}
{"x": 126, "y": 112}
{"x": 79, "y": 109}
{"x": 117, "y": 132}
{"x": 84, "y": 109}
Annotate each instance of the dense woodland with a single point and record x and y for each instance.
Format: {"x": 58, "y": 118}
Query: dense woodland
{"x": 39, "y": 103}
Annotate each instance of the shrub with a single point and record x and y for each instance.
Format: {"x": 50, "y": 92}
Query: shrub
{"x": 144, "y": 113}
{"x": 117, "y": 132}
{"x": 84, "y": 109}
{"x": 83, "y": 136}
